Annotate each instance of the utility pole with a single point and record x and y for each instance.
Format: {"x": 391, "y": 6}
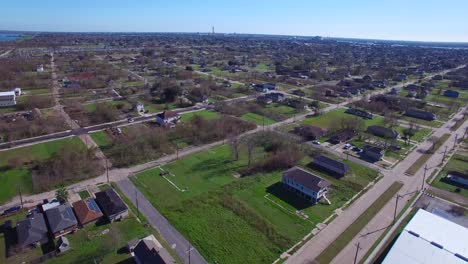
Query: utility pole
{"x": 445, "y": 153}
{"x": 396, "y": 207}
{"x": 357, "y": 252}
{"x": 107, "y": 170}
{"x": 21, "y": 196}
{"x": 136, "y": 199}
{"x": 189, "y": 250}
{"x": 177, "y": 151}
{"x": 424, "y": 177}
{"x": 455, "y": 142}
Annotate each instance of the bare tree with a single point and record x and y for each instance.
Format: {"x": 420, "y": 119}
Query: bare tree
{"x": 234, "y": 142}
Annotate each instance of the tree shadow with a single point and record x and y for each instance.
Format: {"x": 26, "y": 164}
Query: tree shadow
{"x": 288, "y": 196}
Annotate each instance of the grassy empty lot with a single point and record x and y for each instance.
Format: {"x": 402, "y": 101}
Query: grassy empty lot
{"x": 204, "y": 114}
{"x": 100, "y": 138}
{"x": 257, "y": 119}
{"x": 14, "y": 178}
{"x": 335, "y": 248}
{"x": 236, "y": 220}
{"x": 458, "y": 163}
{"x": 327, "y": 120}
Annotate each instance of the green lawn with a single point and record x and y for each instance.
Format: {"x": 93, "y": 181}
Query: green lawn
{"x": 84, "y": 194}
{"x": 334, "y": 248}
{"x": 434, "y": 123}
{"x": 204, "y": 114}
{"x": 458, "y": 163}
{"x": 426, "y": 156}
{"x": 101, "y": 138}
{"x": 89, "y": 244}
{"x": 257, "y": 119}
{"x": 229, "y": 219}
{"x": 13, "y": 179}
{"x": 328, "y": 119}
{"x": 419, "y": 136}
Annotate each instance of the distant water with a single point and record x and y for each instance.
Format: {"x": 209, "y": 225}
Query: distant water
{"x": 8, "y": 37}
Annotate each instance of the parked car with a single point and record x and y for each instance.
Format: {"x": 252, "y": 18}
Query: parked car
{"x": 131, "y": 120}
{"x": 347, "y": 146}
{"x": 12, "y": 210}
{"x": 315, "y": 142}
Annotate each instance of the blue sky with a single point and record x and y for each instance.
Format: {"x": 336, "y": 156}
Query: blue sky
{"x": 390, "y": 19}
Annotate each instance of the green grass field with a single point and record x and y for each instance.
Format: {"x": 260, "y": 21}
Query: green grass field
{"x": 257, "y": 119}
{"x": 458, "y": 163}
{"x": 237, "y": 220}
{"x": 426, "y": 156}
{"x": 204, "y": 114}
{"x": 101, "y": 138}
{"x": 327, "y": 120}
{"x": 13, "y": 179}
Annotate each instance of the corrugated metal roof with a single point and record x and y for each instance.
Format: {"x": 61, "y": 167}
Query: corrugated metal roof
{"x": 429, "y": 238}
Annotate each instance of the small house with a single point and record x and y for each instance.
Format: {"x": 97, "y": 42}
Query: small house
{"x": 61, "y": 220}
{"x": 149, "y": 251}
{"x": 139, "y": 106}
{"x": 306, "y": 184}
{"x": 451, "y": 93}
{"x": 167, "y": 118}
{"x": 360, "y": 113}
{"x": 7, "y": 99}
{"x": 32, "y": 231}
{"x": 263, "y": 99}
{"x": 342, "y": 136}
{"x": 309, "y": 132}
{"x": 112, "y": 206}
{"x": 87, "y": 211}
{"x": 421, "y": 114}
{"x": 384, "y": 132}
{"x": 373, "y": 153}
{"x": 276, "y": 97}
{"x": 457, "y": 178}
{"x": 40, "y": 68}
{"x": 331, "y": 166}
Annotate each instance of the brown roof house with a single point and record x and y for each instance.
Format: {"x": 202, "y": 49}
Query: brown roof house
{"x": 87, "y": 211}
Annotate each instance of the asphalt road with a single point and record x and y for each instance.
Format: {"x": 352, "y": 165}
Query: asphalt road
{"x": 180, "y": 245}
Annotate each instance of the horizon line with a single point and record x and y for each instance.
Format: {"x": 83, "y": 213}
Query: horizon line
{"x": 232, "y": 33}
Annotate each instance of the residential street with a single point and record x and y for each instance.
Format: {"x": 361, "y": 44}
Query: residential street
{"x": 180, "y": 245}
{"x": 384, "y": 218}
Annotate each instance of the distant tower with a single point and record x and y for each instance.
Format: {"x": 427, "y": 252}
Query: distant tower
{"x": 212, "y": 30}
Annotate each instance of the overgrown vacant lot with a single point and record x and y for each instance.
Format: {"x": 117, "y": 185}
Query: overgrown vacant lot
{"x": 333, "y": 118}
{"x": 17, "y": 166}
{"x": 239, "y": 220}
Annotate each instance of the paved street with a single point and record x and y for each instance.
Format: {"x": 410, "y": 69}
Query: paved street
{"x": 383, "y": 219}
{"x": 180, "y": 245}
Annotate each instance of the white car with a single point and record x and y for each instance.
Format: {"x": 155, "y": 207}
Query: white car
{"x": 347, "y": 146}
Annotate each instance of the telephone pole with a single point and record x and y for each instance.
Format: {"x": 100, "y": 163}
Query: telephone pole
{"x": 445, "y": 153}
{"x": 396, "y": 207}
{"x": 357, "y": 252}
{"x": 21, "y": 196}
{"x": 455, "y": 142}
{"x": 136, "y": 200}
{"x": 424, "y": 177}
{"x": 107, "y": 170}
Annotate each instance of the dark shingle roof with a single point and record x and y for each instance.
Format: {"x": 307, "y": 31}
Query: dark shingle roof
{"x": 382, "y": 131}
{"x": 32, "y": 230}
{"x": 147, "y": 253}
{"x": 306, "y": 179}
{"x": 331, "y": 164}
{"x": 61, "y": 218}
{"x": 110, "y": 202}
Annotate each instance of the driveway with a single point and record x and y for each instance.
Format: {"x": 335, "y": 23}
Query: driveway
{"x": 180, "y": 245}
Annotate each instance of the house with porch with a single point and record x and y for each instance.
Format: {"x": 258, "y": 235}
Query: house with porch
{"x": 305, "y": 184}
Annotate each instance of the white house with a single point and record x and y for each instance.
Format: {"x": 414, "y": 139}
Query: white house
{"x": 40, "y": 68}
{"x": 167, "y": 118}
{"x": 306, "y": 184}
{"x": 7, "y": 99}
{"x": 17, "y": 91}
{"x": 140, "y": 107}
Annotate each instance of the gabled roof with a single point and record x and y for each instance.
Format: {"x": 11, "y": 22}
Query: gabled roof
{"x": 382, "y": 131}
{"x": 148, "y": 252}
{"x": 110, "y": 202}
{"x": 86, "y": 210}
{"x": 332, "y": 164}
{"x": 168, "y": 114}
{"x": 61, "y": 218}
{"x": 306, "y": 179}
{"x": 32, "y": 230}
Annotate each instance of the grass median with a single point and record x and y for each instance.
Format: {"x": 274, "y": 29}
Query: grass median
{"x": 340, "y": 243}
{"x": 427, "y": 155}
